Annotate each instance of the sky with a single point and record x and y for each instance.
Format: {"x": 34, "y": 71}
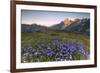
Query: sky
{"x": 49, "y": 18}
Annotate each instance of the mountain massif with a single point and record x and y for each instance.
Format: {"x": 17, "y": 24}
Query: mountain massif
{"x": 32, "y": 28}
{"x": 78, "y": 25}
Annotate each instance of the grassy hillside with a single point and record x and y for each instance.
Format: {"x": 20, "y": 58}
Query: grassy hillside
{"x": 31, "y": 38}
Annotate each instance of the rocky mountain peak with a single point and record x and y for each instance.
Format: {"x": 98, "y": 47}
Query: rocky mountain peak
{"x": 67, "y": 21}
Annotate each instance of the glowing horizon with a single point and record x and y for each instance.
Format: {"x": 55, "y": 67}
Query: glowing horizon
{"x": 49, "y": 18}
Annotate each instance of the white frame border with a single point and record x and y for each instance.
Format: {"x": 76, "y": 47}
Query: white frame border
{"x": 20, "y": 65}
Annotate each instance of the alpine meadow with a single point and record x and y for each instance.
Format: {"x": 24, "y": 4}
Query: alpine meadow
{"x": 48, "y": 36}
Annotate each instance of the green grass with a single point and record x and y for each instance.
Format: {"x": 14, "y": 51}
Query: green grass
{"x": 31, "y": 38}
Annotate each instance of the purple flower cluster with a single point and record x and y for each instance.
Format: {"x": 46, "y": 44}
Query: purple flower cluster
{"x": 55, "y": 50}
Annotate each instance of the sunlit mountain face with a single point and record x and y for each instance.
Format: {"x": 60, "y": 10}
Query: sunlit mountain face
{"x": 68, "y": 21}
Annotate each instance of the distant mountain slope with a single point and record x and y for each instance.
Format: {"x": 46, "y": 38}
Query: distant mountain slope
{"x": 57, "y": 26}
{"x": 62, "y": 25}
{"x": 81, "y": 26}
{"x": 32, "y": 28}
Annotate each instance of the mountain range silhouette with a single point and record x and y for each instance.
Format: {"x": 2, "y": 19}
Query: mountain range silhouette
{"x": 78, "y": 25}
